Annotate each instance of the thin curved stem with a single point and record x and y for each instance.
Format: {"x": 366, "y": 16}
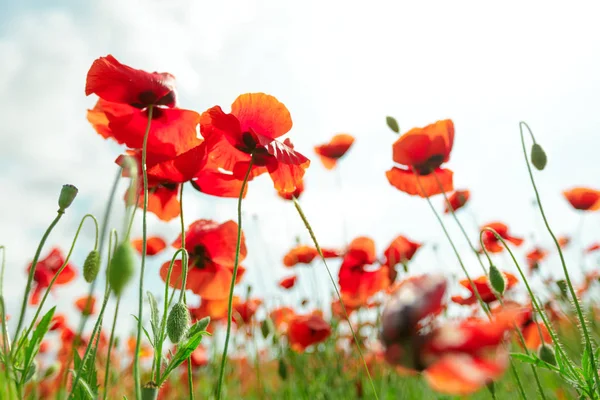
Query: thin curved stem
{"x": 136, "y": 356}
{"x": 110, "y": 345}
{"x": 60, "y": 213}
{"x": 339, "y": 296}
{"x": 518, "y": 379}
{"x": 458, "y": 257}
{"x": 582, "y": 321}
{"x": 233, "y": 278}
{"x": 190, "y": 378}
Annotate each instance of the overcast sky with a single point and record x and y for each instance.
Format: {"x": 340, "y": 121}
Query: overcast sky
{"x": 339, "y": 66}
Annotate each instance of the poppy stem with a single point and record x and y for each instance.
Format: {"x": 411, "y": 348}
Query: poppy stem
{"x": 462, "y": 229}
{"x": 582, "y": 321}
{"x": 439, "y": 219}
{"x": 337, "y": 292}
{"x": 233, "y": 279}
{"x": 60, "y": 213}
{"x": 110, "y": 345}
{"x": 56, "y": 275}
{"x": 136, "y": 356}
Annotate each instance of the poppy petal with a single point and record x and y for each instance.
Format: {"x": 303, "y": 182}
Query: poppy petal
{"x": 263, "y": 114}
{"x": 406, "y": 181}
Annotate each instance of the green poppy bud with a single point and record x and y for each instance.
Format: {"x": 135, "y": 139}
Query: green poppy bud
{"x": 538, "y": 157}
{"x": 67, "y": 195}
{"x": 121, "y": 267}
{"x": 392, "y": 124}
{"x": 282, "y": 369}
{"x": 91, "y": 266}
{"x": 497, "y": 280}
{"x": 546, "y": 354}
{"x": 178, "y": 322}
{"x": 265, "y": 329}
{"x": 150, "y": 391}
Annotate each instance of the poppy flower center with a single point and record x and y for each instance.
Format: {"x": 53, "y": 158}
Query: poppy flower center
{"x": 200, "y": 257}
{"x": 430, "y": 165}
{"x": 148, "y": 98}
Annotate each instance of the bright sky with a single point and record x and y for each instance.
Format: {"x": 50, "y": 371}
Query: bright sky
{"x": 339, "y": 66}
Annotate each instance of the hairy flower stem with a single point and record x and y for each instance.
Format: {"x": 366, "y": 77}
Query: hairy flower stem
{"x": 582, "y": 321}
{"x": 136, "y": 355}
{"x": 110, "y": 345}
{"x": 233, "y": 278}
{"x": 337, "y": 292}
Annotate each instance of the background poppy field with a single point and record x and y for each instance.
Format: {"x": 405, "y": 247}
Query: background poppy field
{"x": 339, "y": 69}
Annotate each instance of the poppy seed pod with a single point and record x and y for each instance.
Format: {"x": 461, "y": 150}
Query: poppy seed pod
{"x": 178, "y": 322}
{"x": 66, "y": 197}
{"x": 121, "y": 267}
{"x": 538, "y": 157}
{"x": 392, "y": 124}
{"x": 497, "y": 280}
{"x": 546, "y": 354}
{"x": 91, "y": 266}
{"x": 282, "y": 369}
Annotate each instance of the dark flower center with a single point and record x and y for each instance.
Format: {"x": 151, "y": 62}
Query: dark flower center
{"x": 199, "y": 257}
{"x": 430, "y": 165}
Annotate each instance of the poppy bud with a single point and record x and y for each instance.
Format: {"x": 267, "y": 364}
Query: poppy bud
{"x": 497, "y": 280}
{"x": 546, "y": 354}
{"x": 67, "y": 195}
{"x": 51, "y": 370}
{"x": 282, "y": 369}
{"x": 562, "y": 286}
{"x": 150, "y": 391}
{"x": 538, "y": 157}
{"x": 265, "y": 329}
{"x": 178, "y": 322}
{"x": 121, "y": 267}
{"x": 91, "y": 266}
{"x": 392, "y": 124}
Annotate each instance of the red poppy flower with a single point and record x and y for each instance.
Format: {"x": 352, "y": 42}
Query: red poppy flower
{"x": 592, "y": 247}
{"x": 584, "y": 199}
{"x": 491, "y": 243}
{"x": 250, "y": 133}
{"x": 211, "y": 248}
{"x": 145, "y": 349}
{"x": 360, "y": 252}
{"x": 535, "y": 257}
{"x": 483, "y": 287}
{"x": 400, "y": 250}
{"x": 424, "y": 150}
{"x": 358, "y": 285}
{"x": 45, "y": 271}
{"x": 289, "y": 282}
{"x": 58, "y": 322}
{"x": 163, "y": 201}
{"x": 531, "y": 333}
{"x": 244, "y": 311}
{"x": 331, "y": 152}
{"x": 296, "y": 193}
{"x": 154, "y": 245}
{"x": 215, "y": 309}
{"x": 305, "y": 255}
{"x": 563, "y": 241}
{"x": 281, "y": 317}
{"x": 87, "y": 305}
{"x": 457, "y": 200}
{"x": 306, "y": 330}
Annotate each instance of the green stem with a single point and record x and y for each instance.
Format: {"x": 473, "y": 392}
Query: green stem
{"x": 110, "y": 345}
{"x": 32, "y": 272}
{"x": 190, "y": 378}
{"x": 519, "y": 384}
{"x": 339, "y": 296}
{"x": 582, "y": 321}
{"x": 57, "y": 274}
{"x": 136, "y": 356}
{"x": 439, "y": 219}
{"x": 233, "y": 278}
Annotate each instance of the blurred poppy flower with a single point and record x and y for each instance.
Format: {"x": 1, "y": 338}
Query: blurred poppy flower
{"x": 215, "y": 309}
{"x": 211, "y": 247}
{"x": 457, "y": 200}
{"x": 423, "y": 150}
{"x": 296, "y": 193}
{"x": 331, "y": 152}
{"x": 154, "y": 245}
{"x": 583, "y": 199}
{"x": 360, "y": 252}
{"x": 531, "y": 333}
{"x": 563, "y": 241}
{"x": 289, "y": 282}
{"x": 535, "y": 256}
{"x": 306, "y": 330}
{"x": 483, "y": 287}
{"x": 250, "y": 133}
{"x": 45, "y": 271}
{"x": 592, "y": 247}
{"x": 244, "y": 311}
{"x": 358, "y": 285}
{"x": 58, "y": 322}
{"x": 199, "y": 357}
{"x": 305, "y": 255}
{"x": 491, "y": 243}
{"x": 401, "y": 250}
{"x": 87, "y": 305}
{"x": 281, "y": 317}
{"x": 145, "y": 349}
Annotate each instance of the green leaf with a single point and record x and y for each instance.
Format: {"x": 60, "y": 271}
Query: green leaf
{"x": 154, "y": 318}
{"x": 36, "y": 339}
{"x": 199, "y": 326}
{"x": 145, "y": 331}
{"x": 534, "y": 360}
{"x": 87, "y": 391}
{"x": 392, "y": 124}
{"x": 184, "y": 350}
